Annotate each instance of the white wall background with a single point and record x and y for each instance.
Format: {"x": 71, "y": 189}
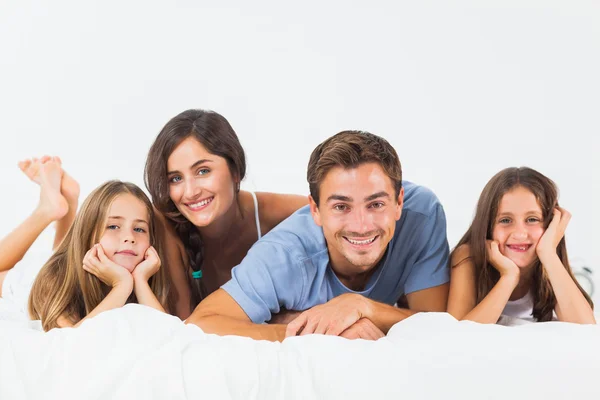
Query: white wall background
{"x": 461, "y": 88}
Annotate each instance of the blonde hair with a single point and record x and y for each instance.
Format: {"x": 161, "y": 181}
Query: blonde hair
{"x": 62, "y": 288}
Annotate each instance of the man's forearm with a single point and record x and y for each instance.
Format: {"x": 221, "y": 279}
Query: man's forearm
{"x": 222, "y": 325}
{"x": 385, "y": 316}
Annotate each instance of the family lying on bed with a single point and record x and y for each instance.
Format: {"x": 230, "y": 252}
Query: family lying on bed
{"x": 364, "y": 251}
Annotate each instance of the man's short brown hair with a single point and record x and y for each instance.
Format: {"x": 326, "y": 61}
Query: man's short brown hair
{"x": 349, "y": 149}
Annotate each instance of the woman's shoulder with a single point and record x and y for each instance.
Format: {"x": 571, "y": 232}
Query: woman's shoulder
{"x": 275, "y": 207}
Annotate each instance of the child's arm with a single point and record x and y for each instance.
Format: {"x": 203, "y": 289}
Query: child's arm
{"x": 571, "y": 305}
{"x": 142, "y": 272}
{"x": 95, "y": 262}
{"x": 462, "y": 301}
{"x": 116, "y": 298}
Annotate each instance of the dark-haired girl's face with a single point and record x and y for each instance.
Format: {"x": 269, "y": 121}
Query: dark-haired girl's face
{"x": 518, "y": 226}
{"x": 200, "y": 183}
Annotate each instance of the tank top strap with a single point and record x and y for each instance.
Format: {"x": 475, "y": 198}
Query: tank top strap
{"x": 256, "y": 214}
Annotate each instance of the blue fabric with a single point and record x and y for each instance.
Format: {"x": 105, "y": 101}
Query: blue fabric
{"x": 289, "y": 267}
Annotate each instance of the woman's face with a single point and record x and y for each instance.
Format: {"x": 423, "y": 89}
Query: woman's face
{"x": 518, "y": 226}
{"x": 200, "y": 183}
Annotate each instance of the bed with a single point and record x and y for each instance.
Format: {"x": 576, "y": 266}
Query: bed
{"x": 136, "y": 352}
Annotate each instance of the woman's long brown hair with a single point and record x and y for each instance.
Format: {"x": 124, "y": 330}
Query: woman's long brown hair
{"x": 217, "y": 136}
{"x": 63, "y": 288}
{"x": 486, "y": 276}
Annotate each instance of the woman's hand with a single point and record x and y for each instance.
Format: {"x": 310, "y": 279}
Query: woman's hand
{"x": 503, "y": 264}
{"x": 148, "y": 267}
{"x": 546, "y": 247}
{"x": 98, "y": 264}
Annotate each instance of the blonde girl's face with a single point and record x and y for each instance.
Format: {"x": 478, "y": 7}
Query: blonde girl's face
{"x": 518, "y": 226}
{"x": 126, "y": 234}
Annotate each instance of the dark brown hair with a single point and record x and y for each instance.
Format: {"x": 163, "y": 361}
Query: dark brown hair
{"x": 215, "y": 133}
{"x": 486, "y": 276}
{"x": 349, "y": 149}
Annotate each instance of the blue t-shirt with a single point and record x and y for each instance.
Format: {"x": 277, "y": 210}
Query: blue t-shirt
{"x": 289, "y": 267}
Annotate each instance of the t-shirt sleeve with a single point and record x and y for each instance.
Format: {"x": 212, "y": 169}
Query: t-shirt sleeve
{"x": 431, "y": 266}
{"x": 267, "y": 279}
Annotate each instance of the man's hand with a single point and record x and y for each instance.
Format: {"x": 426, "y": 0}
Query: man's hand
{"x": 331, "y": 318}
{"x": 363, "y": 329}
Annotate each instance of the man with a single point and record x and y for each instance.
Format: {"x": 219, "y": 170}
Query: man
{"x": 364, "y": 241}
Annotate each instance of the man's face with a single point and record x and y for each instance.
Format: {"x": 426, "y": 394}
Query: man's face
{"x": 358, "y": 211}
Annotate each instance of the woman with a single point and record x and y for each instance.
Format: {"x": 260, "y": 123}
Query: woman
{"x": 193, "y": 173}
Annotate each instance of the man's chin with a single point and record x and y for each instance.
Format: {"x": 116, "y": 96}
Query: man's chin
{"x": 364, "y": 263}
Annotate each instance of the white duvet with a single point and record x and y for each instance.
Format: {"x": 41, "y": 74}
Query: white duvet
{"x": 136, "y": 352}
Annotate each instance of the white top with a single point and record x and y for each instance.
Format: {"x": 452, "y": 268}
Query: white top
{"x": 520, "y": 308}
{"x": 256, "y": 214}
{"x": 520, "y": 311}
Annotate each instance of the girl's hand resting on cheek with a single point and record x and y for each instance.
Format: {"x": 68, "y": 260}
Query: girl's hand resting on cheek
{"x": 98, "y": 264}
{"x": 148, "y": 267}
{"x": 549, "y": 241}
{"x": 503, "y": 264}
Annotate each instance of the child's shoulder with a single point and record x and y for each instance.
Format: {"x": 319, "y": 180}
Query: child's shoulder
{"x": 460, "y": 254}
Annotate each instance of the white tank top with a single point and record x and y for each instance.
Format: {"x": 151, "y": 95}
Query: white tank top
{"x": 256, "y": 215}
{"x": 520, "y": 308}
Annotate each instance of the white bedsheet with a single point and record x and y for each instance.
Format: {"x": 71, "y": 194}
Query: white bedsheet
{"x": 136, "y": 352}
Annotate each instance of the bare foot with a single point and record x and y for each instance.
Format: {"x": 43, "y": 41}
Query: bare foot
{"x": 52, "y": 203}
{"x": 31, "y": 168}
{"x": 68, "y": 186}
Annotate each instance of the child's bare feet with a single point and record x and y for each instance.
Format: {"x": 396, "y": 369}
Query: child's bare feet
{"x": 68, "y": 186}
{"x": 52, "y": 203}
{"x": 31, "y": 168}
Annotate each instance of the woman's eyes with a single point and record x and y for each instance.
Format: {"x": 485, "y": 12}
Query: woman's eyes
{"x": 533, "y": 220}
{"x": 112, "y": 227}
{"x": 504, "y": 221}
{"x": 177, "y": 178}
{"x": 140, "y": 230}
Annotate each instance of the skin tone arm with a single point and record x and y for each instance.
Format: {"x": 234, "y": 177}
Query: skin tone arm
{"x": 342, "y": 312}
{"x": 117, "y": 277}
{"x": 142, "y": 272}
{"x": 344, "y": 315}
{"x": 220, "y": 314}
{"x": 462, "y": 302}
{"x": 571, "y": 305}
